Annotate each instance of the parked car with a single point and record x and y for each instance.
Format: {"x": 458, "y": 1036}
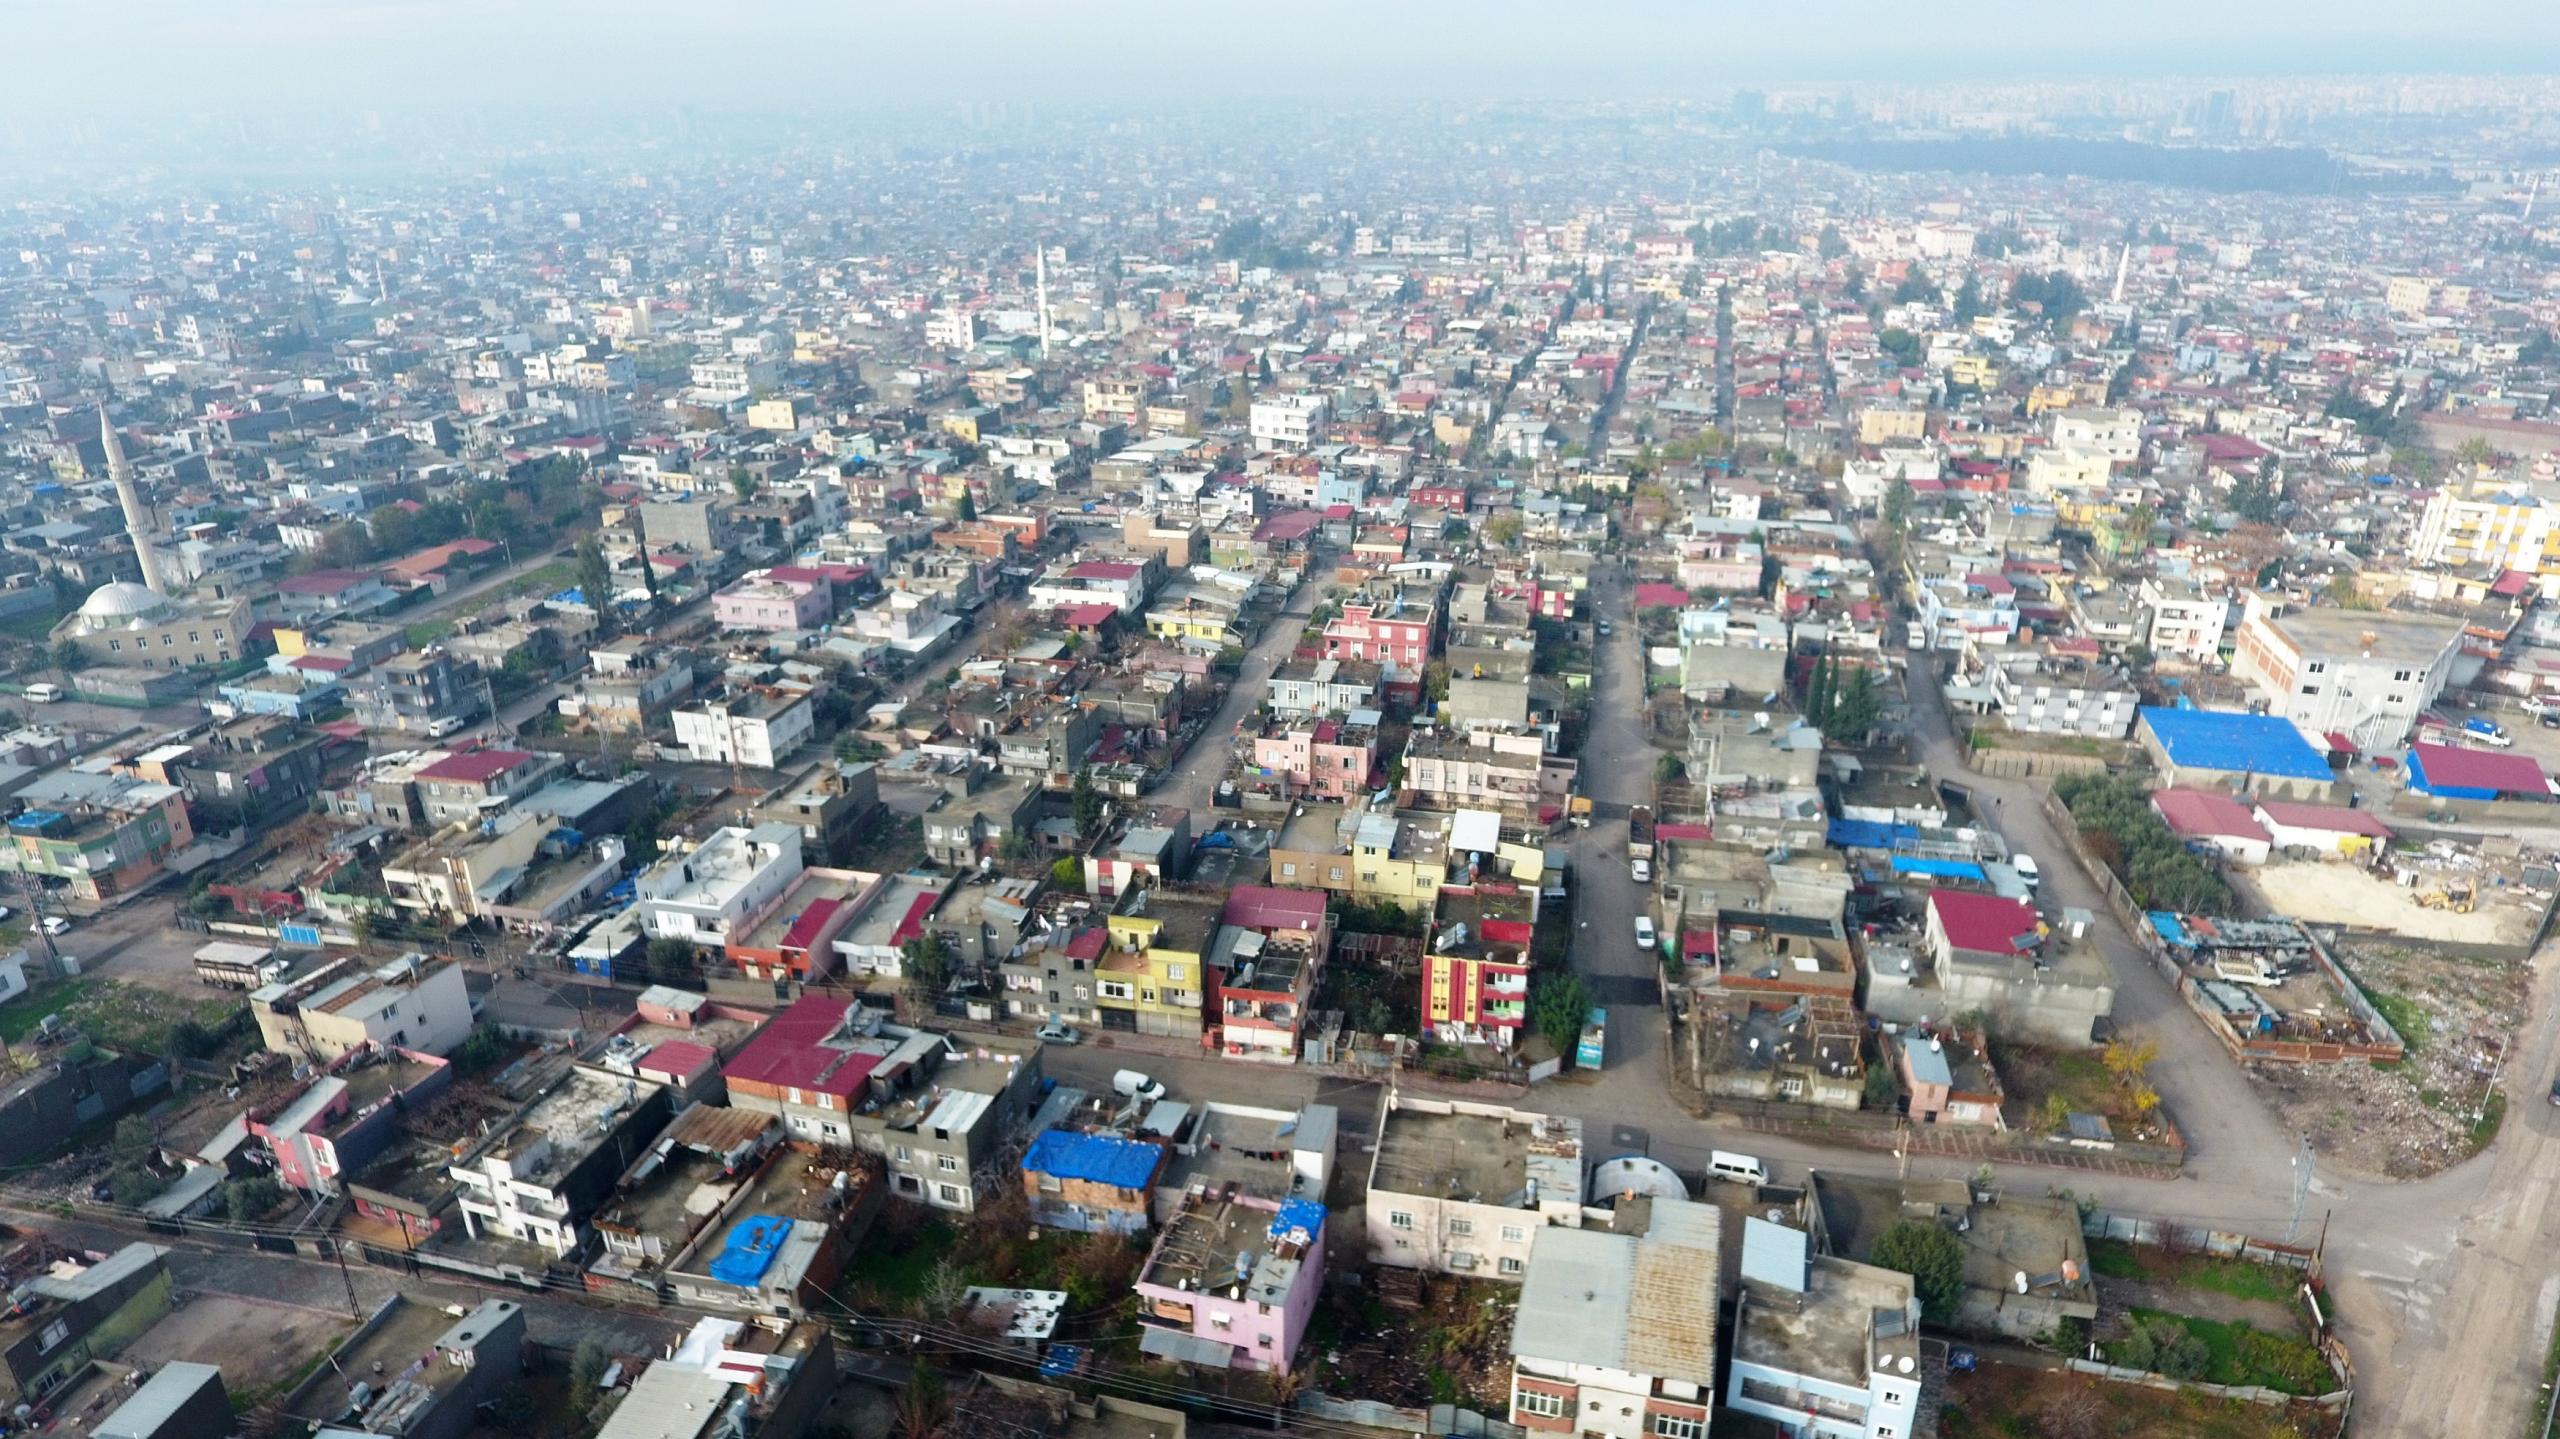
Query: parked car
{"x": 56, "y": 924}
{"x": 1961, "y": 1360}
{"x": 1641, "y": 871}
{"x": 2550, "y": 719}
{"x": 1134, "y": 1084}
{"x": 6, "y": 912}
{"x": 2028, "y": 872}
{"x": 1055, "y": 1033}
{"x": 1644, "y": 931}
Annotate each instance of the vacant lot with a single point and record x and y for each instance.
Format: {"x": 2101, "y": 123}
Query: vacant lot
{"x": 115, "y": 1014}
{"x": 2437, "y": 1106}
{"x": 2001, "y": 1402}
{"x": 262, "y": 1346}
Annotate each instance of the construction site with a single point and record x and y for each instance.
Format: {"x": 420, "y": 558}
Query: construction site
{"x": 2489, "y": 895}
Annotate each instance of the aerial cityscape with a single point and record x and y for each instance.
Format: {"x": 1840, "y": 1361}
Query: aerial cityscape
{"x": 1113, "y": 724}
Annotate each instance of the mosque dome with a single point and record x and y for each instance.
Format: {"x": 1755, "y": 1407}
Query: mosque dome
{"x": 119, "y": 602}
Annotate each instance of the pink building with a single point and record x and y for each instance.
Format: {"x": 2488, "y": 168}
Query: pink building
{"x": 1232, "y": 1282}
{"x": 1332, "y": 759}
{"x": 344, "y": 1119}
{"x": 770, "y": 603}
{"x": 1396, "y": 634}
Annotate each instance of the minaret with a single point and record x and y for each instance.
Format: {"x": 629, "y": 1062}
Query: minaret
{"x": 2124, "y": 260}
{"x": 137, "y": 520}
{"x": 1040, "y": 279}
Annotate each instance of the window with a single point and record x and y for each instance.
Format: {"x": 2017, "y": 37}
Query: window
{"x": 2400, "y": 677}
{"x": 2311, "y": 689}
{"x": 1513, "y": 1268}
{"x": 947, "y": 1163}
{"x": 1514, "y": 1234}
{"x": 1399, "y": 1219}
{"x": 2316, "y": 667}
{"x": 1462, "y": 1226}
{"x": 114, "y": 645}
{"x": 1463, "y": 1262}
{"x": 1676, "y": 1426}
{"x": 1176, "y": 974}
{"x": 193, "y": 638}
{"x": 1545, "y": 1406}
{"x": 951, "y": 1193}
{"x": 1262, "y": 1341}
{"x": 1118, "y": 989}
{"x": 899, "y": 1154}
{"x": 1289, "y": 869}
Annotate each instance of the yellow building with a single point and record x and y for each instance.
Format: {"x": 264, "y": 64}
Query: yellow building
{"x": 1149, "y": 978}
{"x": 778, "y": 415}
{"x": 1975, "y": 370}
{"x": 1206, "y": 623}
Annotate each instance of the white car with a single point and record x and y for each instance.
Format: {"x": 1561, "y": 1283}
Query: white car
{"x": 1055, "y": 1033}
{"x": 7, "y": 913}
{"x": 1641, "y": 871}
{"x": 56, "y": 924}
{"x": 1644, "y": 931}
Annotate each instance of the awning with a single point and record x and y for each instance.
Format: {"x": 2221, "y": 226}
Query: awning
{"x": 1184, "y": 1348}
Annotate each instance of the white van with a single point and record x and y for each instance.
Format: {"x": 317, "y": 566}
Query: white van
{"x": 1133, "y": 1084}
{"x": 2025, "y": 865}
{"x": 1644, "y": 932}
{"x": 1740, "y": 1168}
{"x": 41, "y": 693}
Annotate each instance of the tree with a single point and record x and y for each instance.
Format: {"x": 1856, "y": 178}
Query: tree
{"x": 1968, "y": 305}
{"x": 2129, "y": 1060}
{"x": 1086, "y": 804}
{"x": 1831, "y": 244}
{"x": 2254, "y": 501}
{"x": 135, "y": 1135}
{"x": 968, "y": 510}
{"x": 743, "y": 481}
{"x": 1905, "y": 347}
{"x": 2476, "y": 452}
{"x": 587, "y": 1366}
{"x": 1502, "y": 530}
{"x": 1669, "y": 767}
{"x": 672, "y": 960}
{"x": 595, "y": 582}
{"x": 363, "y": 926}
{"x": 1558, "y": 1005}
{"x": 1897, "y": 505}
{"x": 927, "y": 961}
{"x": 1854, "y": 708}
{"x": 251, "y": 1199}
{"x": 921, "y": 1410}
{"x": 69, "y": 656}
{"x": 1933, "y": 1257}
{"x": 1065, "y": 873}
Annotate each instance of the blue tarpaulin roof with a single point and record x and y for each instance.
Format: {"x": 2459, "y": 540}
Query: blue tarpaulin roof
{"x": 1299, "y": 1221}
{"x": 1937, "y": 868}
{"x": 2241, "y": 743}
{"x": 1868, "y": 834}
{"x": 749, "y": 1252}
{"x": 2169, "y": 927}
{"x": 1095, "y": 1158}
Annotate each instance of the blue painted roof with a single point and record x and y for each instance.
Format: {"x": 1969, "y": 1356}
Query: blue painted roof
{"x": 1096, "y": 1158}
{"x": 1937, "y": 868}
{"x": 1868, "y": 834}
{"x": 2219, "y": 739}
{"x": 1299, "y": 1220}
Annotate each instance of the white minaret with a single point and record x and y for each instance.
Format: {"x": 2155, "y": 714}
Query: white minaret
{"x": 137, "y": 520}
{"x": 1040, "y": 281}
{"x": 2124, "y": 261}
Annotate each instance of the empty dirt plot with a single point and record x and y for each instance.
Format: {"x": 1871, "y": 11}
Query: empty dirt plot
{"x": 2434, "y": 1108}
{"x": 2356, "y": 898}
{"x": 262, "y": 1346}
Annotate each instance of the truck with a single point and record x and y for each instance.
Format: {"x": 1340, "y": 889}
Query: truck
{"x": 227, "y": 964}
{"x": 1640, "y": 832}
{"x": 1595, "y": 1040}
{"x": 2487, "y": 731}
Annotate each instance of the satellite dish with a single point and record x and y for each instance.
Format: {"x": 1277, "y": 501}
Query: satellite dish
{"x": 2021, "y": 1281}
{"x": 1904, "y": 1364}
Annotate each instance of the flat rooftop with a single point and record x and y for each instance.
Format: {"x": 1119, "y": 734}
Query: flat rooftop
{"x": 404, "y": 1336}
{"x": 1484, "y": 1159}
{"x": 1826, "y": 1337}
{"x": 813, "y": 887}
{"x": 1212, "y": 1244}
{"x": 2330, "y": 631}
{"x": 903, "y": 899}
{"x": 573, "y": 1118}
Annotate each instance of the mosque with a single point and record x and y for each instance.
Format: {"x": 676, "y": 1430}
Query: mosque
{"x": 144, "y": 625}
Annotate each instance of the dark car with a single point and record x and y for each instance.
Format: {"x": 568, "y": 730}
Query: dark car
{"x": 2550, "y": 719}
{"x": 2555, "y": 1091}
{"x": 1961, "y": 1360}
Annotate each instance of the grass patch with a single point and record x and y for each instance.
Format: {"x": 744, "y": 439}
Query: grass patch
{"x": 33, "y": 626}
{"x": 2114, "y": 1259}
{"x": 2492, "y": 1114}
{"x": 2000, "y": 1402}
{"x": 111, "y": 1012}
{"x": 2403, "y": 1015}
{"x": 2238, "y": 1278}
{"x": 897, "y": 1272}
{"x": 427, "y": 632}
{"x": 2243, "y": 1354}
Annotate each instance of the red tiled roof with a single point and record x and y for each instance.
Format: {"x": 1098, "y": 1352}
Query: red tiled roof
{"x": 917, "y": 910}
{"x": 1085, "y": 615}
{"x": 475, "y": 766}
{"x": 2480, "y": 769}
{"x": 1657, "y": 596}
{"x": 1982, "y": 922}
{"x": 2204, "y": 813}
{"x": 681, "y": 1058}
{"x": 2336, "y": 819}
{"x": 1087, "y": 944}
{"x": 324, "y": 582}
{"x": 1261, "y": 907}
{"x": 789, "y": 1052}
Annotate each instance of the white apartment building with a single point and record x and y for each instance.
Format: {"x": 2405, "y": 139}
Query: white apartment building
{"x": 1826, "y": 1348}
{"x": 412, "y": 1002}
{"x": 752, "y": 729}
{"x": 2186, "y": 623}
{"x": 2116, "y": 434}
{"x": 1460, "y": 1188}
{"x": 2366, "y": 674}
{"x": 1616, "y": 1333}
{"x": 2507, "y": 527}
{"x": 952, "y": 329}
{"x": 543, "y": 1177}
{"x": 1288, "y": 421}
{"x": 705, "y": 893}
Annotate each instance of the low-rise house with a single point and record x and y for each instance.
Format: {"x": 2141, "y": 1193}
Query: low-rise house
{"x": 101, "y": 834}
{"x": 1998, "y": 955}
{"x": 1827, "y": 1347}
{"x": 2204, "y": 816}
{"x": 73, "y": 1314}
{"x": 1616, "y": 1333}
{"x": 547, "y": 1173}
{"x": 339, "y": 1122}
{"x": 730, "y": 1377}
{"x": 936, "y": 1107}
{"x": 1949, "y": 1080}
{"x": 478, "y": 783}
{"x": 706, "y": 893}
{"x": 412, "y": 1002}
{"x": 1306, "y": 687}
{"x": 795, "y": 937}
{"x": 759, "y": 727}
{"x": 1264, "y": 962}
{"x": 830, "y": 801}
{"x": 1231, "y": 1283}
{"x": 977, "y": 814}
{"x": 768, "y": 602}
{"x": 416, "y": 1372}
{"x": 1154, "y": 973}
{"x": 1093, "y": 1183}
{"x": 430, "y": 691}
{"x": 780, "y": 1245}
{"x": 184, "y": 1400}
{"x": 1461, "y": 1188}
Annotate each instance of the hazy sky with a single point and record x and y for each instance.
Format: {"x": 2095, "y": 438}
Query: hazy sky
{"x": 77, "y": 59}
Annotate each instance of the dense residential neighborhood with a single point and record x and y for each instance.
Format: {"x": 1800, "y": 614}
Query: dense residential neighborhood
{"x": 1056, "y": 782}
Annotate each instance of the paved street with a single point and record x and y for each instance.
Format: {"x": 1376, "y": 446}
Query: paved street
{"x": 1194, "y": 777}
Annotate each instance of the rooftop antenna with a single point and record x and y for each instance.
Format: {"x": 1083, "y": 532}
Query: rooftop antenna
{"x": 1040, "y": 281}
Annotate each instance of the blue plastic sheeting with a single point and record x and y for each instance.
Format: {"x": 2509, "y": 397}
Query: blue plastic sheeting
{"x": 1868, "y": 834}
{"x": 750, "y": 1249}
{"x": 2239, "y": 743}
{"x": 1298, "y": 1222}
{"x": 1095, "y": 1158}
{"x": 1937, "y": 868}
{"x": 2169, "y": 927}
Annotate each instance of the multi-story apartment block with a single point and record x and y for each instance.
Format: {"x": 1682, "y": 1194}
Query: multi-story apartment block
{"x": 1154, "y": 973}
{"x": 1288, "y": 421}
{"x": 1616, "y": 1333}
{"x": 1397, "y": 633}
{"x": 704, "y": 894}
{"x": 2187, "y": 622}
{"x": 1828, "y": 1348}
{"x": 101, "y": 834}
{"x": 547, "y": 1174}
{"x": 757, "y": 727}
{"x": 1264, "y": 961}
{"x": 769, "y": 603}
{"x": 2366, "y": 674}
{"x": 1462, "y": 1188}
{"x": 1232, "y": 1283}
{"x": 428, "y": 692}
{"x": 1329, "y": 759}
{"x": 409, "y": 1003}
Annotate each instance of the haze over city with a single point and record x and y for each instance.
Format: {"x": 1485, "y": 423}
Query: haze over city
{"x": 822, "y": 722}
